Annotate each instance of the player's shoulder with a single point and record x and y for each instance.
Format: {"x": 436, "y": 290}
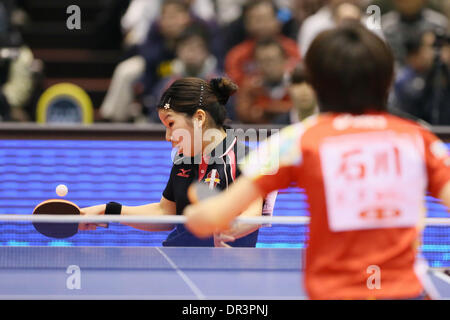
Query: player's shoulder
{"x": 418, "y": 128}
{"x": 408, "y": 124}
{"x": 431, "y": 141}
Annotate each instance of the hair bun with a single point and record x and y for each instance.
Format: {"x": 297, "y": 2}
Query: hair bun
{"x": 223, "y": 88}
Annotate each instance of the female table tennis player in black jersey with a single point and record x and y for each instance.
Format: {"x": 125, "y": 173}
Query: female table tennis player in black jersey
{"x": 192, "y": 110}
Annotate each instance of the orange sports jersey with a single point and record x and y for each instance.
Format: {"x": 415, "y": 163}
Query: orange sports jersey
{"x": 365, "y": 178}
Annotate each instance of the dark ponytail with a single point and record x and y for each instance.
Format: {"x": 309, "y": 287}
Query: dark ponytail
{"x": 187, "y": 95}
{"x": 223, "y": 88}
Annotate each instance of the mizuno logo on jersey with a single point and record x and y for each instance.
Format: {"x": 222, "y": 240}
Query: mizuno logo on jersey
{"x": 183, "y": 173}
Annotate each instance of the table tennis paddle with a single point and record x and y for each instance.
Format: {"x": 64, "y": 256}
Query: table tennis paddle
{"x": 199, "y": 191}
{"x": 59, "y": 207}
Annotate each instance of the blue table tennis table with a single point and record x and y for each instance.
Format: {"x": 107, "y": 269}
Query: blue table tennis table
{"x": 156, "y": 273}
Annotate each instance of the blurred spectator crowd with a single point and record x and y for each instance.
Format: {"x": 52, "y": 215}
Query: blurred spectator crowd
{"x": 259, "y": 44}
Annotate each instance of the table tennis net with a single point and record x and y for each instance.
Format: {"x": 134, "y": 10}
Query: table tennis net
{"x": 435, "y": 242}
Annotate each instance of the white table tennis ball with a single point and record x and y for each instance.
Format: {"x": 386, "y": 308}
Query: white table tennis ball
{"x": 61, "y": 190}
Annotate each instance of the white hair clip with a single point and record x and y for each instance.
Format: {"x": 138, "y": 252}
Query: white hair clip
{"x": 167, "y": 105}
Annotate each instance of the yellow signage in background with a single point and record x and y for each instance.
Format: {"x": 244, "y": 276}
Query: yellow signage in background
{"x": 65, "y": 103}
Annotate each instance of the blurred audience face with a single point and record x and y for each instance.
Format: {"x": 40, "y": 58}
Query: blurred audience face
{"x": 261, "y": 21}
{"x": 271, "y": 62}
{"x": 336, "y": 3}
{"x": 422, "y": 60}
{"x": 347, "y": 11}
{"x": 304, "y": 96}
{"x": 193, "y": 53}
{"x": 174, "y": 19}
{"x": 409, "y": 7}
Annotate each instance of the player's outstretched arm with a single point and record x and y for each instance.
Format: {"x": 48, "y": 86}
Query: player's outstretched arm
{"x": 163, "y": 207}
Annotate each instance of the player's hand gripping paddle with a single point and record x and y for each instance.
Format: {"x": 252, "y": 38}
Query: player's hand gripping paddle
{"x": 57, "y": 229}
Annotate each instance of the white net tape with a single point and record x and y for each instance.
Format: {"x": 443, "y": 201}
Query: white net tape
{"x": 169, "y": 219}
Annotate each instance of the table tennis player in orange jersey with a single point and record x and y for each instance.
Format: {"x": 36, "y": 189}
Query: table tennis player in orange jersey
{"x": 365, "y": 173}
